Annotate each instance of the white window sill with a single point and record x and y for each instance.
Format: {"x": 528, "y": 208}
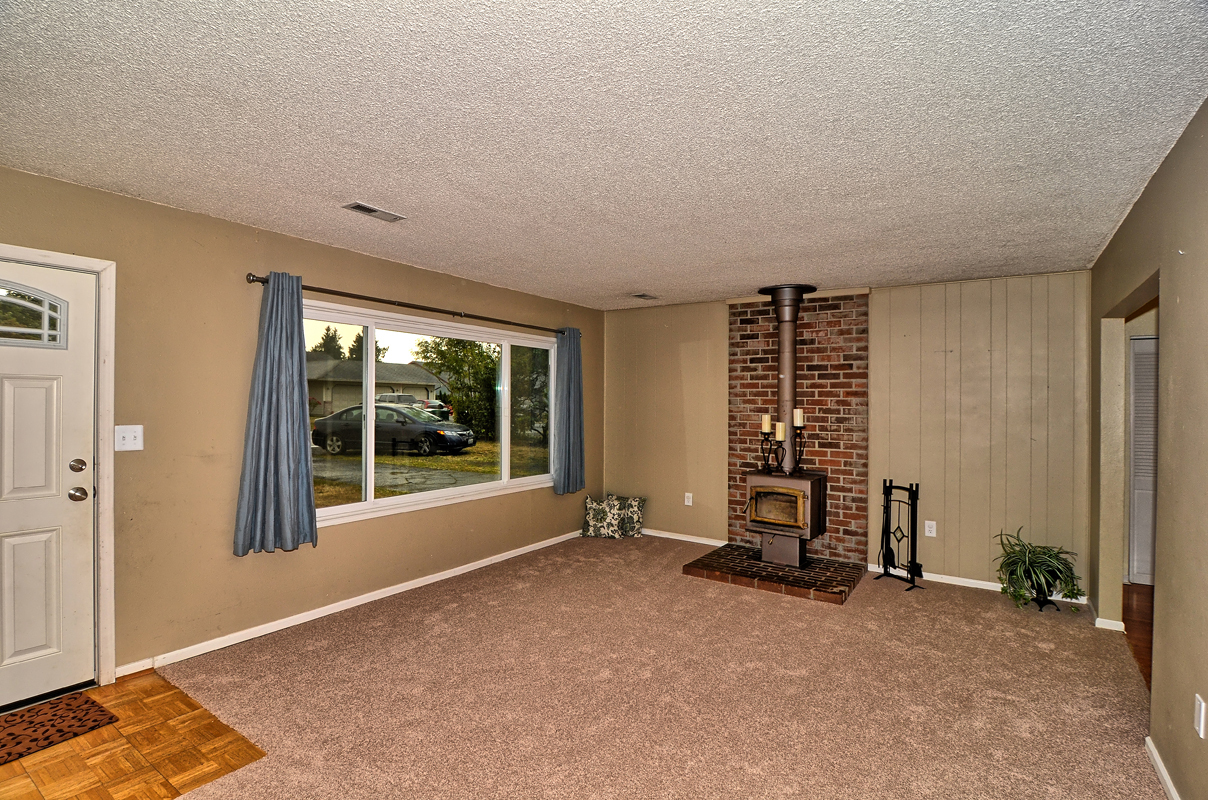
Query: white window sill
{"x": 338, "y": 515}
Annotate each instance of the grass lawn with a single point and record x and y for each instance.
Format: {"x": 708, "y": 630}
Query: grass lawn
{"x": 528, "y": 460}
{"x": 334, "y": 493}
{"x": 482, "y": 458}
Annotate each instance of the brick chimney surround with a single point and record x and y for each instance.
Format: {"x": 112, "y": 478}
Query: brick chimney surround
{"x": 832, "y": 387}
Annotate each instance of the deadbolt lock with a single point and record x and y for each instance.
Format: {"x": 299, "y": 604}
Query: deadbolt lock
{"x": 77, "y": 465}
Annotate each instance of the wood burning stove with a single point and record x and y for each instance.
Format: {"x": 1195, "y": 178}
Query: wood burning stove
{"x": 786, "y": 511}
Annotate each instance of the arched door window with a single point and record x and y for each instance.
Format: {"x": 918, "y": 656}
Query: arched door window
{"x": 31, "y": 318}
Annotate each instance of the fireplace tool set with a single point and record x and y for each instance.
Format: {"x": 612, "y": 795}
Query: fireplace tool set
{"x": 892, "y": 508}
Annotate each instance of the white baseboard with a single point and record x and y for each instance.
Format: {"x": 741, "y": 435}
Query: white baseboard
{"x": 1160, "y": 768}
{"x": 307, "y": 616}
{"x": 683, "y": 537}
{"x": 1101, "y": 622}
{"x": 992, "y": 586}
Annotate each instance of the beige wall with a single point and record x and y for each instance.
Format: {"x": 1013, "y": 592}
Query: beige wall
{"x": 977, "y": 391}
{"x": 665, "y": 413}
{"x": 1166, "y": 233}
{"x": 186, "y": 335}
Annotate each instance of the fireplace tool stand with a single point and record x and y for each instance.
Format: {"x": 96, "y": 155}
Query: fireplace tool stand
{"x": 890, "y": 536}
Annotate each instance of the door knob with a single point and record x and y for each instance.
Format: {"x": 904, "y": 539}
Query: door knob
{"x": 78, "y": 493}
{"x": 77, "y": 465}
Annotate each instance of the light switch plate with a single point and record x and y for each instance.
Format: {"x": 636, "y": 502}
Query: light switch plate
{"x": 687, "y": 498}
{"x": 1201, "y": 716}
{"x": 929, "y": 527}
{"x": 127, "y": 437}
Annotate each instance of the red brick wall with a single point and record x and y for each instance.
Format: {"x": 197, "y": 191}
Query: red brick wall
{"x": 832, "y": 385}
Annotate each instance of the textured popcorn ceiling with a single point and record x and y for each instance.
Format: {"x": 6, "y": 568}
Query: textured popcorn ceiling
{"x": 586, "y": 152}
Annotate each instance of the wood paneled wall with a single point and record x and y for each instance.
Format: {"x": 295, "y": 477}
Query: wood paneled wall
{"x": 978, "y": 392}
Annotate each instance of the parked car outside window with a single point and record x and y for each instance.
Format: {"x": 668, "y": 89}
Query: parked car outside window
{"x": 397, "y": 429}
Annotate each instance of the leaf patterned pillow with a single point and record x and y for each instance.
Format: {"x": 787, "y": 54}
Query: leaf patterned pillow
{"x": 603, "y": 519}
{"x": 630, "y": 509}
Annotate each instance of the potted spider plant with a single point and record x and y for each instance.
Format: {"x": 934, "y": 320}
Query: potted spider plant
{"x": 1031, "y": 573}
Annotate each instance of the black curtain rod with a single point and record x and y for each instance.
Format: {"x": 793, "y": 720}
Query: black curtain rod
{"x": 251, "y": 278}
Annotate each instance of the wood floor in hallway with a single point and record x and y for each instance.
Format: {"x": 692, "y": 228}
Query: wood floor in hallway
{"x": 1138, "y": 625}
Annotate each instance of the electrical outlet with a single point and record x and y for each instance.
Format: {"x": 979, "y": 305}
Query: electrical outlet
{"x": 929, "y": 528}
{"x": 127, "y": 437}
{"x": 1201, "y": 716}
{"x": 687, "y": 498}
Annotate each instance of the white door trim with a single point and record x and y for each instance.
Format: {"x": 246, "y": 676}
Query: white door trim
{"x": 106, "y": 272}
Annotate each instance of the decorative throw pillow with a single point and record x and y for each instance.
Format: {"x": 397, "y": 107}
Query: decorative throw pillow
{"x": 603, "y": 519}
{"x": 630, "y": 510}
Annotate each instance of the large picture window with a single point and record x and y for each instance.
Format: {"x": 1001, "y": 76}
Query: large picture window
{"x": 437, "y": 412}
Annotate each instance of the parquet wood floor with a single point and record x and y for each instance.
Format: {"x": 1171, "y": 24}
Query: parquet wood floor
{"x": 162, "y": 745}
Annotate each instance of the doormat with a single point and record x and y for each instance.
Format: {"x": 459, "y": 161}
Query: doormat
{"x": 38, "y": 727}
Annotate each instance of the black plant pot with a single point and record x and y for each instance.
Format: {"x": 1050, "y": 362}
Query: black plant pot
{"x": 1040, "y": 596}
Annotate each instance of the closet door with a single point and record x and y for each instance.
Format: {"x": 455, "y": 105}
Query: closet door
{"x": 1143, "y": 462}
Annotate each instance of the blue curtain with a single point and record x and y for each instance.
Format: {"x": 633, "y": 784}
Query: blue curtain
{"x": 276, "y": 493}
{"x": 567, "y": 439}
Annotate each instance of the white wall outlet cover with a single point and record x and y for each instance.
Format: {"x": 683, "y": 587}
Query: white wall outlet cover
{"x": 1201, "y": 716}
{"x": 687, "y": 498}
{"x": 127, "y": 437}
{"x": 929, "y": 527}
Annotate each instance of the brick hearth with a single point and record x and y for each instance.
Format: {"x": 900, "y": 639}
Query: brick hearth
{"x": 832, "y": 385}
{"x": 824, "y": 579}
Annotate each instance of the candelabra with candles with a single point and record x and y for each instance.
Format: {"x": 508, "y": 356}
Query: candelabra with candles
{"x": 798, "y": 438}
{"x": 774, "y": 439}
{"x": 772, "y": 444}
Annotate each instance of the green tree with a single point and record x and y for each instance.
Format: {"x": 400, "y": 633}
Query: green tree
{"x": 471, "y": 370}
{"x": 17, "y": 316}
{"x": 329, "y": 344}
{"x": 530, "y": 395}
{"x": 356, "y": 349}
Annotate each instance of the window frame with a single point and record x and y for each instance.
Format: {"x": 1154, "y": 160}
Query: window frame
{"x": 371, "y": 320}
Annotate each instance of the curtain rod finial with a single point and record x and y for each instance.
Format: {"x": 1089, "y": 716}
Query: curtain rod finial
{"x": 251, "y": 278}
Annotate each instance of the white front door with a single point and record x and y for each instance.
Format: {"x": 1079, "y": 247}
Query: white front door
{"x": 47, "y": 503}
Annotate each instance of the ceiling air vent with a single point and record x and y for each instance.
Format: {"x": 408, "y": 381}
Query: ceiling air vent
{"x": 372, "y": 211}
{"x": 644, "y": 296}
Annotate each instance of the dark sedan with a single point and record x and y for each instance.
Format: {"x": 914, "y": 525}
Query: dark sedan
{"x": 397, "y": 429}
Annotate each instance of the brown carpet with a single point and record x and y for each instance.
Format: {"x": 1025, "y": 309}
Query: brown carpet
{"x": 38, "y": 727}
{"x": 595, "y": 669}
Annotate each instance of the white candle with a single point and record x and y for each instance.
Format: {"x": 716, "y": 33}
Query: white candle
{"x": 765, "y": 423}
{"x": 798, "y": 417}
{"x": 780, "y": 431}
